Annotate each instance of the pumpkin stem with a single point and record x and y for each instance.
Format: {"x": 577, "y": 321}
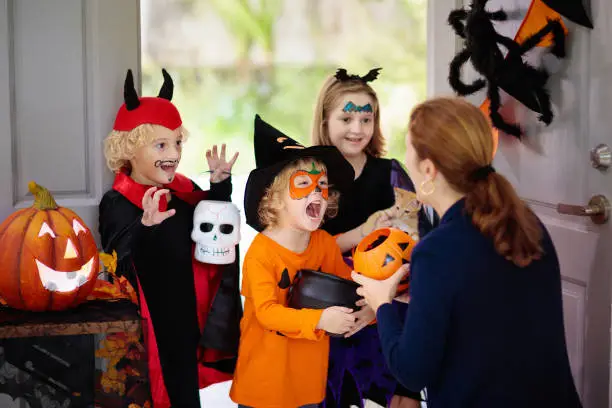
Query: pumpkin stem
{"x": 43, "y": 200}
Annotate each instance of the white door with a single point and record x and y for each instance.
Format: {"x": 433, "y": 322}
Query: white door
{"x": 551, "y": 166}
{"x": 62, "y": 65}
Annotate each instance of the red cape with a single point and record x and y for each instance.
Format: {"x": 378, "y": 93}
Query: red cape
{"x": 206, "y": 281}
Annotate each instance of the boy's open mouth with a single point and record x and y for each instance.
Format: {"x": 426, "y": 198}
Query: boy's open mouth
{"x": 313, "y": 210}
{"x": 168, "y": 167}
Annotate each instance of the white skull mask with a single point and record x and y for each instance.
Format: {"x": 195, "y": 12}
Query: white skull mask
{"x": 216, "y": 232}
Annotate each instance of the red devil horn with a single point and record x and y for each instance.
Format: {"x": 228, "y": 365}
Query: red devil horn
{"x": 130, "y": 97}
{"x": 167, "y": 88}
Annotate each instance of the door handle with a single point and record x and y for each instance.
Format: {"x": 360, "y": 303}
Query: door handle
{"x": 598, "y": 209}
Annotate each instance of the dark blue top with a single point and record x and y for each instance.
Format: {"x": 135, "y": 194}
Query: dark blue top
{"x": 480, "y": 332}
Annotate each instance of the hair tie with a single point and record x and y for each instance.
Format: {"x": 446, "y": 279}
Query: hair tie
{"x": 482, "y": 173}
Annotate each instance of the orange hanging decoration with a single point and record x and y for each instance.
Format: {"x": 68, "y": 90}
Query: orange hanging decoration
{"x": 537, "y": 16}
{"x": 494, "y": 132}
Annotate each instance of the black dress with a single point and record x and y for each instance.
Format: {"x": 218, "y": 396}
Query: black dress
{"x": 357, "y": 369}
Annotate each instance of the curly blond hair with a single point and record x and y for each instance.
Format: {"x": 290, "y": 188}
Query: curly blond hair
{"x": 271, "y": 203}
{"x": 331, "y": 93}
{"x": 120, "y": 146}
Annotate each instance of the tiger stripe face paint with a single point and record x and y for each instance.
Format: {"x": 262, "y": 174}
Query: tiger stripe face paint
{"x": 302, "y": 183}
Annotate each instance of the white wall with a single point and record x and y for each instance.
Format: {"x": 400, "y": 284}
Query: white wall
{"x": 62, "y": 65}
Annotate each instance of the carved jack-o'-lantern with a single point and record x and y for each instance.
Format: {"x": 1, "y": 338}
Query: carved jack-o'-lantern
{"x": 48, "y": 257}
{"x": 381, "y": 253}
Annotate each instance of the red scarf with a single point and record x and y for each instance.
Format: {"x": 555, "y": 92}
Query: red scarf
{"x": 181, "y": 186}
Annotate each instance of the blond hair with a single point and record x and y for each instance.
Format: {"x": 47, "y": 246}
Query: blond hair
{"x": 120, "y": 146}
{"x": 457, "y": 138}
{"x": 330, "y": 95}
{"x": 271, "y": 204}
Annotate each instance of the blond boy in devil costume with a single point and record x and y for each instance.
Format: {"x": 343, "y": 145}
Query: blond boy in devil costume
{"x": 147, "y": 217}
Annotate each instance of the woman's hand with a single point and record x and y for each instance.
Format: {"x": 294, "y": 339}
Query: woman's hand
{"x": 150, "y": 205}
{"x": 378, "y": 292}
{"x": 219, "y": 167}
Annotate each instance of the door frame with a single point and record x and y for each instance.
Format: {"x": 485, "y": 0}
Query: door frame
{"x": 442, "y": 44}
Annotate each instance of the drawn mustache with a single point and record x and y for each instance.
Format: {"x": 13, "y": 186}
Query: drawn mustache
{"x": 159, "y": 163}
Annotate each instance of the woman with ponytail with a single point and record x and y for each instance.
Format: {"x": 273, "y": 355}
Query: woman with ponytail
{"x": 484, "y": 327}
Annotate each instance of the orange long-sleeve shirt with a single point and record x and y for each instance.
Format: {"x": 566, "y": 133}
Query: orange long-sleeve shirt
{"x": 282, "y": 359}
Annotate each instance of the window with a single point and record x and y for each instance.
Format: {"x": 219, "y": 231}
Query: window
{"x": 231, "y": 59}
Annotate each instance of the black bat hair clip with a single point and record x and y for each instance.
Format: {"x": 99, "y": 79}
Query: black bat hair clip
{"x": 342, "y": 75}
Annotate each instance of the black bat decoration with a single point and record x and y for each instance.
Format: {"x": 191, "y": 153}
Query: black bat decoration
{"x": 342, "y": 75}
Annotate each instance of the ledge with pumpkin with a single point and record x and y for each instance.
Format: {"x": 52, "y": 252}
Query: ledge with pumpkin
{"x": 55, "y": 299}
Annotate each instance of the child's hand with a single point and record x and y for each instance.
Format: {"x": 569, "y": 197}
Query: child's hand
{"x": 363, "y": 317}
{"x": 150, "y": 205}
{"x": 380, "y": 219}
{"x": 336, "y": 320}
{"x": 404, "y": 402}
{"x": 219, "y": 167}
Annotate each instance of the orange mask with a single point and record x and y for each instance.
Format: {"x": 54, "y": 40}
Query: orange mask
{"x": 303, "y": 182}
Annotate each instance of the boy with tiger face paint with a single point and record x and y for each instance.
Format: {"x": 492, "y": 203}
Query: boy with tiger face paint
{"x": 303, "y": 197}
{"x": 304, "y": 182}
{"x": 287, "y": 198}
{"x": 309, "y": 195}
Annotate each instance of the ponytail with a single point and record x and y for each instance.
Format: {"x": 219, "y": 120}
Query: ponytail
{"x": 500, "y": 214}
{"x": 456, "y": 136}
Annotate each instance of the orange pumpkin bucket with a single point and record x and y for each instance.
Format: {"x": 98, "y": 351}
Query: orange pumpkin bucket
{"x": 380, "y": 254}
